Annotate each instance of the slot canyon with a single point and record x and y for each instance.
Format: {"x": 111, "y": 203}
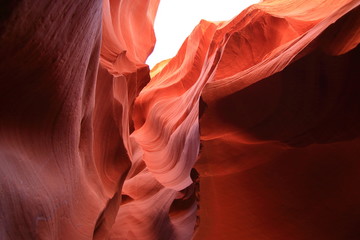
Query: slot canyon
{"x": 250, "y": 132}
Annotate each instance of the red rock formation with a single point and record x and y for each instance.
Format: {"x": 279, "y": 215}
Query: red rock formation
{"x": 280, "y": 119}
{"x": 91, "y": 148}
{"x": 65, "y": 124}
{"x": 284, "y": 163}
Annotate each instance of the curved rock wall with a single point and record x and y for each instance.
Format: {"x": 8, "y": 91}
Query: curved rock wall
{"x": 262, "y": 111}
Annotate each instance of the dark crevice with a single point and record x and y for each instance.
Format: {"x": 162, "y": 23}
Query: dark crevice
{"x": 107, "y": 218}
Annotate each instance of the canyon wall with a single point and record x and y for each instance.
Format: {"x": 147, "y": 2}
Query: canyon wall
{"x": 250, "y": 132}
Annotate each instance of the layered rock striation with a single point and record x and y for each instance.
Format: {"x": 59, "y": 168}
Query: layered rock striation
{"x": 261, "y": 110}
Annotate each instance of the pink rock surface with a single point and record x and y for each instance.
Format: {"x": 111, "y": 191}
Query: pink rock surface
{"x": 264, "y": 106}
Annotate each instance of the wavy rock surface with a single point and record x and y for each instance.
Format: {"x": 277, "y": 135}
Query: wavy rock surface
{"x": 280, "y": 123}
{"x": 94, "y": 146}
{"x": 284, "y": 163}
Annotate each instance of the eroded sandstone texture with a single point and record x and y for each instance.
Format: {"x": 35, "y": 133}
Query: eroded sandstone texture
{"x": 263, "y": 110}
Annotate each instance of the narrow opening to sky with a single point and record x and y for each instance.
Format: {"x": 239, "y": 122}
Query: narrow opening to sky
{"x": 176, "y": 19}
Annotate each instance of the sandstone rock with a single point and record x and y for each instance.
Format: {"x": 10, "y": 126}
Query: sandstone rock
{"x": 264, "y": 106}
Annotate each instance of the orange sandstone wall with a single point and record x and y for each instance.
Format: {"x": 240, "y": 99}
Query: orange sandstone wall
{"x": 264, "y": 106}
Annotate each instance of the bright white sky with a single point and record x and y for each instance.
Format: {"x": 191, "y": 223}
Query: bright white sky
{"x": 176, "y": 19}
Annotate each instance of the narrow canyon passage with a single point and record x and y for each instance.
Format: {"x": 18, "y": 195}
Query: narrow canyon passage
{"x": 251, "y": 131}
